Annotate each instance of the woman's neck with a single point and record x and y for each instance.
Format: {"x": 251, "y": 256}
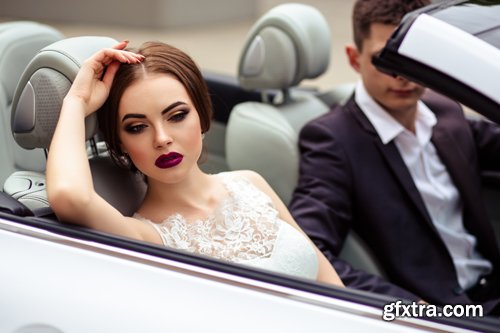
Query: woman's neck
{"x": 195, "y": 196}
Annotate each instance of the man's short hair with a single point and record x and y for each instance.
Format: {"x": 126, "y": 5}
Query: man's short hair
{"x": 367, "y": 12}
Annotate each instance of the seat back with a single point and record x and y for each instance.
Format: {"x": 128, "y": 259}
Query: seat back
{"x": 19, "y": 42}
{"x": 288, "y": 44}
{"x": 225, "y": 92}
{"x": 35, "y": 112}
{"x": 338, "y": 95}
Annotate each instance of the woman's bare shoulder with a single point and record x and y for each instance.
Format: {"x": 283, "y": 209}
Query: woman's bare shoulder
{"x": 254, "y": 178}
{"x": 250, "y": 175}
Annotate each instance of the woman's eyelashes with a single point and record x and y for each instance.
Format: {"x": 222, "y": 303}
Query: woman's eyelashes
{"x": 179, "y": 115}
{"x": 134, "y": 129}
{"x": 174, "y": 117}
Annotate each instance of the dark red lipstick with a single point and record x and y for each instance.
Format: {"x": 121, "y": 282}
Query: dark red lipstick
{"x": 169, "y": 160}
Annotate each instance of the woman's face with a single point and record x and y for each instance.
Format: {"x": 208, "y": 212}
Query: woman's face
{"x": 159, "y": 128}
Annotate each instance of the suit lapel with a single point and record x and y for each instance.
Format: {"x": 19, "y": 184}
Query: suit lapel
{"x": 463, "y": 177}
{"x": 453, "y": 158}
{"x": 450, "y": 151}
{"x": 394, "y": 161}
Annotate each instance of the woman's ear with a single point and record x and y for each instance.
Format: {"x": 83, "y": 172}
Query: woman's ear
{"x": 353, "y": 56}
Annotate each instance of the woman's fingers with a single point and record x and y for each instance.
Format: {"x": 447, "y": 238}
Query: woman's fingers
{"x": 111, "y": 54}
{"x": 132, "y": 57}
{"x": 109, "y": 75}
{"x": 128, "y": 55}
{"x": 121, "y": 45}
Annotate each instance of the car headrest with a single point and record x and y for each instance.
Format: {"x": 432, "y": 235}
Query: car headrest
{"x": 44, "y": 84}
{"x": 19, "y": 41}
{"x": 289, "y": 43}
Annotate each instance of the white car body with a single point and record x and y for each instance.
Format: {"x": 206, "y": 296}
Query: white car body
{"x": 56, "y": 283}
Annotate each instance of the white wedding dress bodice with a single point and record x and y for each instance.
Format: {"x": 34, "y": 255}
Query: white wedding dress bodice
{"x": 246, "y": 229}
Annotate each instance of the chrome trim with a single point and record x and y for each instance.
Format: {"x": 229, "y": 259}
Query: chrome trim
{"x": 242, "y": 282}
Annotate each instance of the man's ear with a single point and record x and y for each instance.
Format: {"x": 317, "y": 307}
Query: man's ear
{"x": 353, "y": 56}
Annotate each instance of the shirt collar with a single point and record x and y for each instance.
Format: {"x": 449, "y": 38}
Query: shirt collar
{"x": 385, "y": 125}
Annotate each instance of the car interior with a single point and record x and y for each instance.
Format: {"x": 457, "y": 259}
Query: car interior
{"x": 258, "y": 115}
{"x": 19, "y": 42}
{"x": 257, "y": 105}
{"x": 36, "y": 107}
{"x": 277, "y": 55}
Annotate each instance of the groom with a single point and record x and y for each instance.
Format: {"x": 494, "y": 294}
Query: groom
{"x": 402, "y": 169}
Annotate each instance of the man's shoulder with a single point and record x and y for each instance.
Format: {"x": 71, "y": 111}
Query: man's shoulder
{"x": 338, "y": 117}
{"x": 441, "y": 104}
{"x": 342, "y": 125}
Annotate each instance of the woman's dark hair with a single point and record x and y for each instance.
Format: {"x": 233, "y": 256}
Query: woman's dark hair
{"x": 367, "y": 12}
{"x": 159, "y": 58}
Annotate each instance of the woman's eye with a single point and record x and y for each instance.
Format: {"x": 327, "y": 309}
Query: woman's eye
{"x": 134, "y": 129}
{"x": 178, "y": 116}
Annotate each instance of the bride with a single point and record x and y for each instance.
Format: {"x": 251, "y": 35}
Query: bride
{"x": 153, "y": 110}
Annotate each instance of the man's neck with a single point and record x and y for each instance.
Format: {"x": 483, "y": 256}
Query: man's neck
{"x": 406, "y": 118}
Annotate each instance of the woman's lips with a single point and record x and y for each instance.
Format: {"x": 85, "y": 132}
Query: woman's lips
{"x": 168, "y": 160}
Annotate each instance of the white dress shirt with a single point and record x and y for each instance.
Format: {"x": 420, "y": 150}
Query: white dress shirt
{"x": 432, "y": 180}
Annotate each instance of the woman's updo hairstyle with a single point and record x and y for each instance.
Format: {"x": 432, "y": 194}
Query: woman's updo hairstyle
{"x": 160, "y": 58}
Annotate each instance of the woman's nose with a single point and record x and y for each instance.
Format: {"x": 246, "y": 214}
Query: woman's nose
{"x": 162, "y": 138}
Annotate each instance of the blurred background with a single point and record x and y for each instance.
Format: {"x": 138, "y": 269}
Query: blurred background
{"x": 211, "y": 31}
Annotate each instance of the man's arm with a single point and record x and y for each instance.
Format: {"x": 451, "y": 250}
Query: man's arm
{"x": 487, "y": 139}
{"x": 323, "y": 205}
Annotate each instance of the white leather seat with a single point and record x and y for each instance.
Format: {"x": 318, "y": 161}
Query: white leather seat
{"x": 35, "y": 112}
{"x": 19, "y": 42}
{"x": 286, "y": 45}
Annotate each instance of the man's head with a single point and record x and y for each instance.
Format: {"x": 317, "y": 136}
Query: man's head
{"x": 388, "y": 12}
{"x": 373, "y": 23}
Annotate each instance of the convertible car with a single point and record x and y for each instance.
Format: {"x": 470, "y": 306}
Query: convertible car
{"x": 56, "y": 277}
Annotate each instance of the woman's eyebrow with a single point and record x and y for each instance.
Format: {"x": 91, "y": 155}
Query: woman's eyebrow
{"x": 172, "y": 106}
{"x": 133, "y": 115}
{"x": 142, "y": 116}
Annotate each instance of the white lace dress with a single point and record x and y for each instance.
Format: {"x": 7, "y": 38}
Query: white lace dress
{"x": 245, "y": 229}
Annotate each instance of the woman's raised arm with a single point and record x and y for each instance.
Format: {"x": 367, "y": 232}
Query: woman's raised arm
{"x": 69, "y": 182}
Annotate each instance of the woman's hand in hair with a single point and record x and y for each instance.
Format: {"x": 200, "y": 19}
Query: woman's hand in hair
{"x": 94, "y": 79}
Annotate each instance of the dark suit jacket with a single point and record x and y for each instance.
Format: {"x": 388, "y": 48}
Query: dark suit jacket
{"x": 350, "y": 179}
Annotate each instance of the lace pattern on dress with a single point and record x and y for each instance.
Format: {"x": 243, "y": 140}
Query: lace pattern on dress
{"x": 244, "y": 226}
